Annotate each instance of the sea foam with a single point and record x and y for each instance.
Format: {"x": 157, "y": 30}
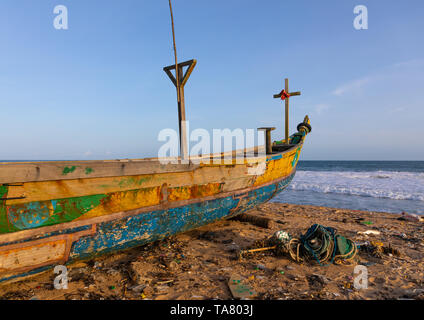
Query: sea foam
{"x": 376, "y": 184}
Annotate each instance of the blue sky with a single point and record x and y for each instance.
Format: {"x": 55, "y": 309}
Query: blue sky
{"x": 97, "y": 90}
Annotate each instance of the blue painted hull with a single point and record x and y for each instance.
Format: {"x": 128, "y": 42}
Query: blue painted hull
{"x": 148, "y": 227}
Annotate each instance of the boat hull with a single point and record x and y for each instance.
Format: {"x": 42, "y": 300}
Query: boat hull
{"x": 45, "y": 229}
{"x": 135, "y": 229}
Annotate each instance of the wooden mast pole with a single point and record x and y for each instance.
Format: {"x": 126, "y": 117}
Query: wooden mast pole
{"x": 287, "y": 133}
{"x": 180, "y": 97}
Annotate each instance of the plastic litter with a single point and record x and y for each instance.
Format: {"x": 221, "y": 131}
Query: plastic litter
{"x": 368, "y": 232}
{"x": 411, "y": 217}
{"x": 281, "y": 237}
{"x": 238, "y": 289}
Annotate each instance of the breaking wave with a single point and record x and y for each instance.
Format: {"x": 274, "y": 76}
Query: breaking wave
{"x": 376, "y": 184}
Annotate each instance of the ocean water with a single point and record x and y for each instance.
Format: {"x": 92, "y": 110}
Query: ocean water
{"x": 387, "y": 186}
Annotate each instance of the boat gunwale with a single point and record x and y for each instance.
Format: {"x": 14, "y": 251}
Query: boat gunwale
{"x": 23, "y": 172}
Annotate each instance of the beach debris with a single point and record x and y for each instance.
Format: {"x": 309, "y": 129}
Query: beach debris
{"x": 225, "y": 269}
{"x": 238, "y": 289}
{"x": 359, "y": 244}
{"x": 138, "y": 288}
{"x": 172, "y": 265}
{"x": 377, "y": 249}
{"x": 402, "y": 235}
{"x": 368, "y": 223}
{"x": 278, "y": 242}
{"x": 162, "y": 288}
{"x": 280, "y": 237}
{"x": 319, "y": 243}
{"x": 243, "y": 253}
{"x": 369, "y": 232}
{"x": 410, "y": 217}
{"x": 164, "y": 282}
{"x": 323, "y": 245}
{"x": 255, "y": 220}
{"x": 260, "y": 267}
{"x": 321, "y": 278}
{"x": 316, "y": 281}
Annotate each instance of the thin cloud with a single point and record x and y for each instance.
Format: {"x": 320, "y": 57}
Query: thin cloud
{"x": 355, "y": 85}
{"x": 351, "y": 86}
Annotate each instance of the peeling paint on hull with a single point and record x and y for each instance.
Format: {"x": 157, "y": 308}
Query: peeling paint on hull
{"x": 146, "y": 227}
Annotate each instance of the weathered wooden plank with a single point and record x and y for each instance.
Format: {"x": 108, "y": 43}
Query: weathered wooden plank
{"x": 61, "y": 189}
{"x": 66, "y": 170}
{"x": 32, "y": 255}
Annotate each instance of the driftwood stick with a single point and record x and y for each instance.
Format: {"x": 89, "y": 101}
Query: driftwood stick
{"x": 259, "y": 249}
{"x": 242, "y": 253}
{"x": 255, "y": 220}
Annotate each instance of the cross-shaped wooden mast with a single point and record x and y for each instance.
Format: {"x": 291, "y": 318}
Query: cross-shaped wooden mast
{"x": 179, "y": 81}
{"x": 285, "y": 95}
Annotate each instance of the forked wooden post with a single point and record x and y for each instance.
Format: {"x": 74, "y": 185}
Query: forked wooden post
{"x": 179, "y": 81}
{"x": 285, "y": 95}
{"x": 182, "y": 79}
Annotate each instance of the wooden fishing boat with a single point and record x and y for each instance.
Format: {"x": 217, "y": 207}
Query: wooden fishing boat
{"x": 55, "y": 213}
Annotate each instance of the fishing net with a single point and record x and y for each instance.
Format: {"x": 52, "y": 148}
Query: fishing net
{"x": 323, "y": 245}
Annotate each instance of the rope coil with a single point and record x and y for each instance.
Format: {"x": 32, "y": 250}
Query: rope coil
{"x": 323, "y": 245}
{"x": 319, "y": 243}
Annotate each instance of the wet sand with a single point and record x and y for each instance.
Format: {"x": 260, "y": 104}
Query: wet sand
{"x": 198, "y": 264}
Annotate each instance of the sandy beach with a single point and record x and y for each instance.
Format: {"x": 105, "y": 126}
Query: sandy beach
{"x": 199, "y": 264}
